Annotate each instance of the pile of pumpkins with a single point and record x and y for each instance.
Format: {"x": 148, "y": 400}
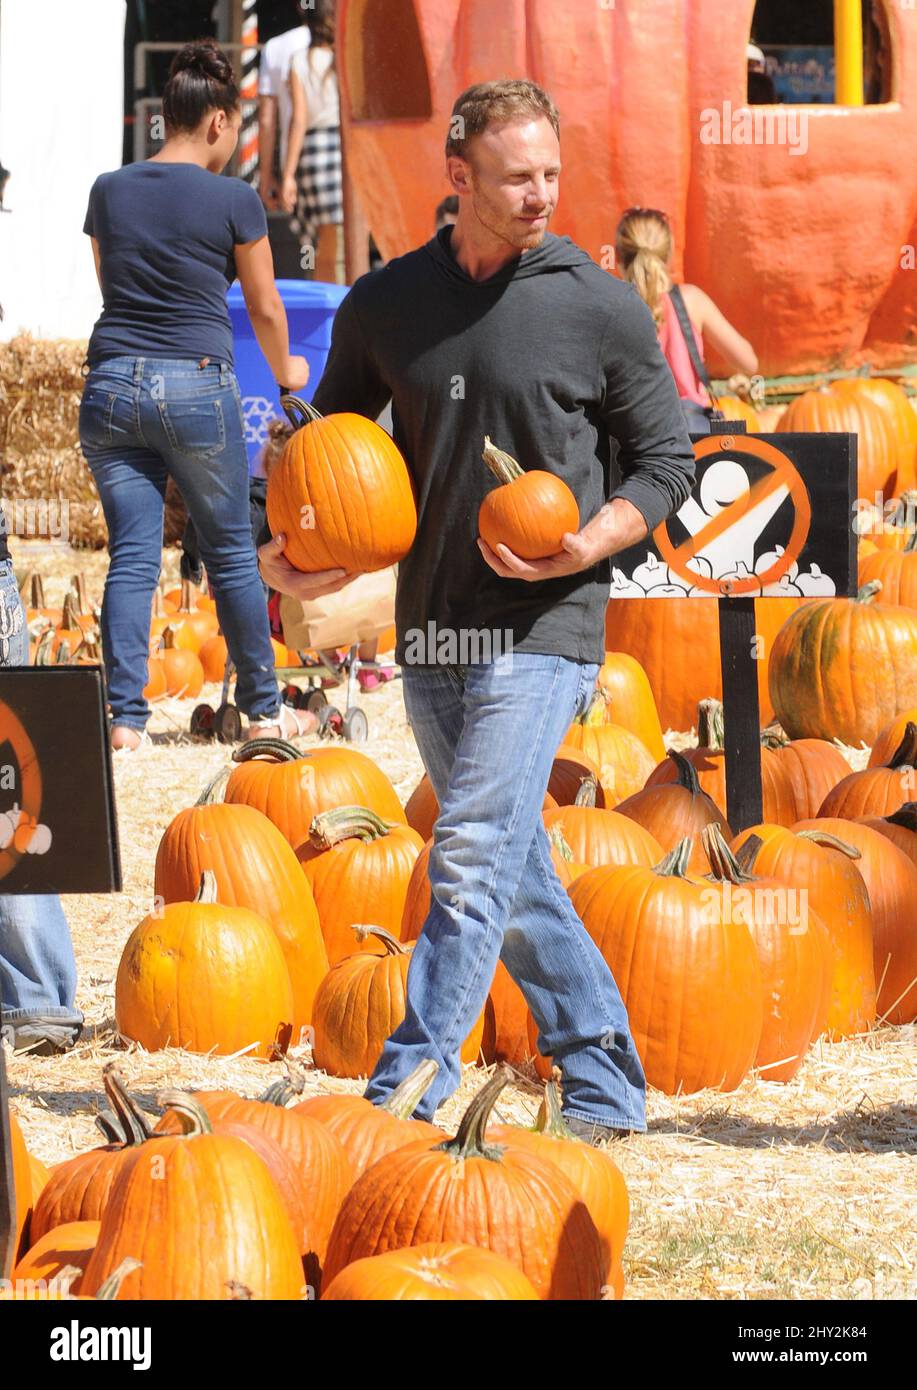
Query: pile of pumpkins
{"x": 65, "y": 635}
{"x": 291, "y": 905}
{"x": 329, "y": 1197}
{"x": 677, "y": 642}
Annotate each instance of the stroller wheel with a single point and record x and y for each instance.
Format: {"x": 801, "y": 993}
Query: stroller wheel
{"x": 315, "y": 700}
{"x": 330, "y": 721}
{"x": 355, "y": 726}
{"x": 227, "y": 724}
{"x": 202, "y": 717}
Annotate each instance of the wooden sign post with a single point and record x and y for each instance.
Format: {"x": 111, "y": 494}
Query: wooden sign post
{"x": 770, "y": 516}
{"x": 58, "y": 832}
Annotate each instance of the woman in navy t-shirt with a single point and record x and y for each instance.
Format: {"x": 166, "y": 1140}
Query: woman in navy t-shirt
{"x": 169, "y": 236}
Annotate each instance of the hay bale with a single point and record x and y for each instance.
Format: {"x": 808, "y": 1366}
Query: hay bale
{"x": 48, "y": 491}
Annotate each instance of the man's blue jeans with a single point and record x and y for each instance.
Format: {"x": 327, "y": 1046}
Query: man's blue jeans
{"x": 37, "y": 968}
{"x": 142, "y": 419}
{"x": 487, "y": 735}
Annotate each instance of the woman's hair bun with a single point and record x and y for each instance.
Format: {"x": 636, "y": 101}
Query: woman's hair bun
{"x": 205, "y": 57}
{"x": 201, "y": 79}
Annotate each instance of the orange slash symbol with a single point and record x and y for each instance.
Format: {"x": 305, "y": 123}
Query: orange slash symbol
{"x": 734, "y": 513}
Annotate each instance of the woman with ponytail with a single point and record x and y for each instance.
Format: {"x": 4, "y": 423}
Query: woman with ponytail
{"x": 161, "y": 399}
{"x": 685, "y": 316}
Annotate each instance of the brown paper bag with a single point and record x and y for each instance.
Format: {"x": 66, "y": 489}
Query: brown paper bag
{"x": 357, "y": 613}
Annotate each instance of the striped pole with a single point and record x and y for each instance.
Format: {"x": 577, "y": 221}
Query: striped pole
{"x": 248, "y": 135}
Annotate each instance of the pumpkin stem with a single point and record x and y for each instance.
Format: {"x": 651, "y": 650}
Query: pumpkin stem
{"x": 32, "y": 592}
{"x": 78, "y": 587}
{"x": 192, "y": 1115}
{"x": 70, "y": 617}
{"x": 550, "y": 1118}
{"x": 710, "y": 729}
{"x": 302, "y": 408}
{"x": 469, "y": 1142}
{"x": 125, "y": 1123}
{"x": 503, "y": 466}
{"x": 237, "y": 1291}
{"x": 597, "y": 713}
{"x": 281, "y": 1092}
{"x": 723, "y": 863}
{"x": 111, "y": 1287}
{"x": 868, "y": 592}
{"x": 186, "y": 602}
{"x": 209, "y": 795}
{"x": 774, "y": 736}
{"x": 911, "y": 545}
{"x": 747, "y": 853}
{"x": 556, "y": 836}
{"x": 45, "y": 645}
{"x": 168, "y": 637}
{"x": 408, "y": 1094}
{"x": 687, "y": 773}
{"x": 906, "y": 753}
{"x": 276, "y": 748}
{"x": 905, "y": 816}
{"x": 391, "y": 943}
{"x": 588, "y": 790}
{"x": 829, "y": 841}
{"x": 347, "y": 823}
{"x": 675, "y": 863}
{"x": 207, "y": 888}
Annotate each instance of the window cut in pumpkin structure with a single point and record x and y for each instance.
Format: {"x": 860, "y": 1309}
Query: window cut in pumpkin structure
{"x": 802, "y": 43}
{"x": 385, "y": 61}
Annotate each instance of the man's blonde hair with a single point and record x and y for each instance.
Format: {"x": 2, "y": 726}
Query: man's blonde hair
{"x": 494, "y": 103}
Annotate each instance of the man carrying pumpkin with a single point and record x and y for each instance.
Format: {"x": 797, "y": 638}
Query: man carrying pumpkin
{"x": 497, "y": 328}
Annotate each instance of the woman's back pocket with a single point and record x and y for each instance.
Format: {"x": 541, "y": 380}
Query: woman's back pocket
{"x": 194, "y": 428}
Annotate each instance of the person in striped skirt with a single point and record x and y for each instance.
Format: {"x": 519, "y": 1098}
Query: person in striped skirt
{"x": 312, "y": 182}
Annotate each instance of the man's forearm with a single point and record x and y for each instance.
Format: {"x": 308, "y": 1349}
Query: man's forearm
{"x": 618, "y": 525}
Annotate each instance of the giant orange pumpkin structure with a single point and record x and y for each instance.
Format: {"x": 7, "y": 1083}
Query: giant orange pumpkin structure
{"x": 796, "y": 273}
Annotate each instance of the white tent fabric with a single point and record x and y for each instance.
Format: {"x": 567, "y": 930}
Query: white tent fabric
{"x": 61, "y": 124}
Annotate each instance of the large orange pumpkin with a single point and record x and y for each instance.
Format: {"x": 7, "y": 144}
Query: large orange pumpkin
{"x": 709, "y": 761}
{"x": 78, "y": 1188}
{"x": 182, "y": 667}
{"x": 677, "y": 642}
{"x": 65, "y": 1247}
{"x": 896, "y": 569}
{"x": 838, "y": 408}
{"x": 842, "y": 669}
{"x": 322, "y": 1168}
{"x": 597, "y": 836}
{"x": 672, "y": 811}
{"x": 355, "y": 862}
{"x": 508, "y": 1200}
{"x": 824, "y": 867}
{"x": 629, "y": 700}
{"x": 688, "y": 975}
{"x": 877, "y": 791}
{"x": 361, "y": 1002}
{"x": 895, "y": 403}
{"x": 889, "y": 738}
{"x": 891, "y": 881}
{"x": 291, "y": 788}
{"x": 204, "y": 976}
{"x": 368, "y": 1132}
{"x": 593, "y": 1172}
{"x": 341, "y": 494}
{"x": 438, "y": 1271}
{"x": 246, "y": 1239}
{"x": 255, "y": 868}
{"x": 813, "y": 766}
{"x": 624, "y": 762}
{"x": 793, "y": 953}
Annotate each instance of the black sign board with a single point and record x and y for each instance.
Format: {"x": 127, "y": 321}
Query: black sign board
{"x": 769, "y": 516}
{"x": 58, "y": 832}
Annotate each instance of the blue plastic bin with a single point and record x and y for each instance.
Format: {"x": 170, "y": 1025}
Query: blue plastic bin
{"x": 311, "y": 306}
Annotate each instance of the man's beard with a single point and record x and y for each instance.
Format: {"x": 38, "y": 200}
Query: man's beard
{"x": 509, "y": 229}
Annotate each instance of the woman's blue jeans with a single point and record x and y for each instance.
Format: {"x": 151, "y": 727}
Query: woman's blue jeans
{"x": 143, "y": 419}
{"x": 487, "y": 734}
{"x": 37, "y": 968}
